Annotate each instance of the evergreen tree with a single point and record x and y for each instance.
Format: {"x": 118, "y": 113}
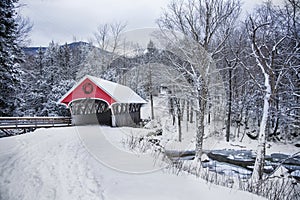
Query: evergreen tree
{"x": 34, "y": 94}
{"x": 65, "y": 62}
{"x": 51, "y": 77}
{"x": 10, "y": 56}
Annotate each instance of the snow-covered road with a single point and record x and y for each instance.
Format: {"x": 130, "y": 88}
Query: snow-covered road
{"x": 49, "y": 164}
{"x": 88, "y": 163}
{"x": 107, "y": 147}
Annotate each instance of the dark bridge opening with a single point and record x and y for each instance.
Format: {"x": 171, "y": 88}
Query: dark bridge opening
{"x": 90, "y": 111}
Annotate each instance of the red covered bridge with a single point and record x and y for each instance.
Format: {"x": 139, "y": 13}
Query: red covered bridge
{"x": 97, "y": 101}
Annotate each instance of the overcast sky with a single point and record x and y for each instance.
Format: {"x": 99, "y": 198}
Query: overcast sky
{"x": 62, "y": 20}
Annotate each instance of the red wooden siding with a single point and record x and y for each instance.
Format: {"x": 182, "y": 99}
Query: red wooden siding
{"x": 88, "y": 89}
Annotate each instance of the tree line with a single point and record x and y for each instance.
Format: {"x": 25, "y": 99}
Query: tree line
{"x": 258, "y": 58}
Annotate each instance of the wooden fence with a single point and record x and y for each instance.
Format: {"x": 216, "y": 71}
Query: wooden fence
{"x": 33, "y": 122}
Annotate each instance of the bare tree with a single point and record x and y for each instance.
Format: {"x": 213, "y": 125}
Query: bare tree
{"x": 198, "y": 68}
{"x": 102, "y": 36}
{"x": 231, "y": 56}
{"x": 108, "y": 36}
{"x": 117, "y": 29}
{"x": 208, "y": 23}
{"x": 276, "y": 52}
{"x": 23, "y": 29}
{"x": 202, "y": 20}
{"x": 267, "y": 73}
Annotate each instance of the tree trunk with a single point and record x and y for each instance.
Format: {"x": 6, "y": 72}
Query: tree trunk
{"x": 276, "y": 120}
{"x": 192, "y": 112}
{"x": 261, "y": 148}
{"x": 209, "y": 114}
{"x": 182, "y": 109}
{"x": 151, "y": 94}
{"x": 229, "y": 107}
{"x": 152, "y": 109}
{"x": 202, "y": 100}
{"x": 172, "y": 109}
{"x": 179, "y": 115}
{"x": 188, "y": 110}
{"x": 187, "y": 115}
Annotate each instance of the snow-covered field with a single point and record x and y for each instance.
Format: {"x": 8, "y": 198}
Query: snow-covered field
{"x": 91, "y": 162}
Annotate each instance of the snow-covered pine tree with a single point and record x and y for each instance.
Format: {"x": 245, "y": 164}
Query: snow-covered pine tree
{"x": 10, "y": 56}
{"x": 57, "y": 78}
{"x": 65, "y": 62}
{"x": 34, "y": 94}
{"x": 62, "y": 82}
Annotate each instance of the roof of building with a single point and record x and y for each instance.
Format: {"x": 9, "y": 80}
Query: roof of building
{"x": 118, "y": 93}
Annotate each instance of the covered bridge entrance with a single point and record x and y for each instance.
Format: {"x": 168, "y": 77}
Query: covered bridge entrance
{"x": 97, "y": 101}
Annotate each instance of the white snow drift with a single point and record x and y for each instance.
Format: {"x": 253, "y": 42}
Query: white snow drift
{"x": 91, "y": 163}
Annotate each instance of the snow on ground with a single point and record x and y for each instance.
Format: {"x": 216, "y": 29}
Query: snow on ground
{"x": 211, "y": 141}
{"x": 91, "y": 163}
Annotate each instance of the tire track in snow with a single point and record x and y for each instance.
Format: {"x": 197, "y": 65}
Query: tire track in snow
{"x": 84, "y": 179}
{"x": 14, "y": 172}
{"x": 53, "y": 168}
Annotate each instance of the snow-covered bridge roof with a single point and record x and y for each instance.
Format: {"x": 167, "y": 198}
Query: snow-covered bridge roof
{"x": 97, "y": 88}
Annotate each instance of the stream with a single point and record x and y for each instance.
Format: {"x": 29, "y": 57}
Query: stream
{"x": 239, "y": 162}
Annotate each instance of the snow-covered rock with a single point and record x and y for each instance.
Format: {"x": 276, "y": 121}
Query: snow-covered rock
{"x": 281, "y": 171}
{"x": 296, "y": 174}
{"x": 204, "y": 158}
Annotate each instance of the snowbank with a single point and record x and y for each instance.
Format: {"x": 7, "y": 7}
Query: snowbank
{"x": 63, "y": 163}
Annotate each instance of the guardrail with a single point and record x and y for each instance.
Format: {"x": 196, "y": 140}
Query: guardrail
{"x": 34, "y": 122}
